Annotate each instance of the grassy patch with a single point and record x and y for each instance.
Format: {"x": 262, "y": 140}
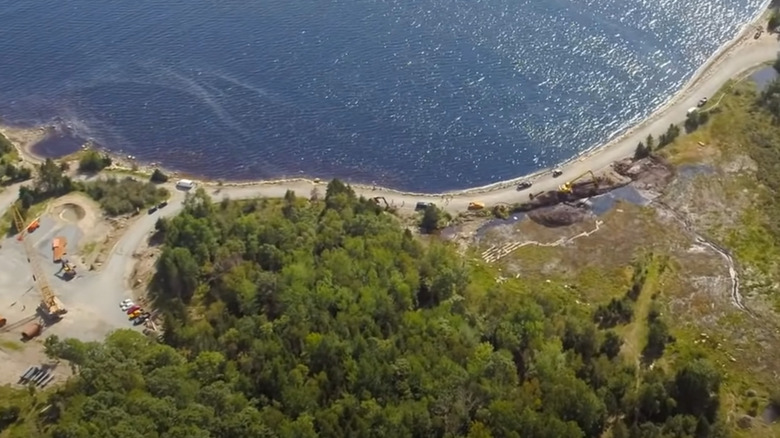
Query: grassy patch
{"x": 123, "y": 172}
{"x": 752, "y": 242}
{"x": 35, "y": 211}
{"x": 743, "y": 141}
{"x": 10, "y": 345}
{"x": 88, "y": 248}
{"x": 27, "y": 404}
{"x": 635, "y": 333}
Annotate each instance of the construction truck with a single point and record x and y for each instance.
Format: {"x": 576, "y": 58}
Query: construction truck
{"x": 568, "y": 186}
{"x": 476, "y": 206}
{"x": 58, "y": 248}
{"x": 51, "y": 306}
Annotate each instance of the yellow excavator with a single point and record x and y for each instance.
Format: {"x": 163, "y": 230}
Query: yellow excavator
{"x": 50, "y": 303}
{"x": 68, "y": 270}
{"x": 568, "y": 186}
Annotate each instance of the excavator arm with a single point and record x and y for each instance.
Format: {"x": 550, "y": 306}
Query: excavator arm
{"x": 569, "y": 185}
{"x": 377, "y": 200}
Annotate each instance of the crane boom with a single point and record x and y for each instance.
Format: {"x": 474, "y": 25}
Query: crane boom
{"x": 50, "y": 302}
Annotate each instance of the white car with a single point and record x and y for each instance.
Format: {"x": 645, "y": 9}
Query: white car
{"x": 126, "y": 304}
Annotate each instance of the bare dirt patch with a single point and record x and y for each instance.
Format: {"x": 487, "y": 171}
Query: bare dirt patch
{"x": 78, "y": 209}
{"x": 560, "y": 215}
{"x": 652, "y": 173}
{"x": 145, "y": 260}
{"x": 100, "y": 233}
{"x": 17, "y": 357}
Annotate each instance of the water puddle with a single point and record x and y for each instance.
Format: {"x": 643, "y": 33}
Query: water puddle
{"x": 690, "y": 171}
{"x": 495, "y": 223}
{"x": 451, "y": 232}
{"x": 763, "y": 77}
{"x": 603, "y": 203}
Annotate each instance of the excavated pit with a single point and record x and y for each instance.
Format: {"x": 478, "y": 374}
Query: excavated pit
{"x": 70, "y": 212}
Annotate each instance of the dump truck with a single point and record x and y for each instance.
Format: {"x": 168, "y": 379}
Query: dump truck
{"x": 58, "y": 245}
{"x": 31, "y": 330}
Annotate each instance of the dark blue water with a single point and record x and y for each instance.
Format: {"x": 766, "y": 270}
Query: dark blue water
{"x": 426, "y": 95}
{"x": 763, "y": 77}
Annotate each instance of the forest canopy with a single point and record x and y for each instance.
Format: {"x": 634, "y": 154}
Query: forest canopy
{"x": 297, "y": 318}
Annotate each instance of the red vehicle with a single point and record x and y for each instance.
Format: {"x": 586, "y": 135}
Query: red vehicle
{"x": 133, "y": 309}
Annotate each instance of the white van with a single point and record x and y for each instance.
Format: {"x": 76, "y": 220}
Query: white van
{"x": 185, "y": 184}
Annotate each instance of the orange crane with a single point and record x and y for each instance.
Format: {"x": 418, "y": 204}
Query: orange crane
{"x": 50, "y": 303}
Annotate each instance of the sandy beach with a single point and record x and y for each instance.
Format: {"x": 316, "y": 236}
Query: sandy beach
{"x": 743, "y": 53}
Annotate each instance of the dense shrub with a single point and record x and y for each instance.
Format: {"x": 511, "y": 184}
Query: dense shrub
{"x": 158, "y": 177}
{"x": 127, "y": 195}
{"x": 93, "y": 161}
{"x": 290, "y": 318}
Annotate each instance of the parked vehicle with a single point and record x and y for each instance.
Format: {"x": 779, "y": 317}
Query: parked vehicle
{"x": 556, "y": 173}
{"x": 141, "y": 319}
{"x": 524, "y": 185}
{"x": 185, "y": 184}
{"x": 133, "y": 309}
{"x": 702, "y": 102}
{"x": 162, "y": 204}
{"x": 134, "y": 315}
{"x": 152, "y": 209}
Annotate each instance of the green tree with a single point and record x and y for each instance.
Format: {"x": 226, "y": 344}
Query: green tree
{"x": 641, "y": 151}
{"x": 51, "y": 181}
{"x": 158, "y": 177}
{"x": 612, "y": 344}
{"x": 650, "y": 143}
{"x": 657, "y": 338}
{"x": 696, "y": 389}
{"x": 432, "y": 219}
{"x": 288, "y": 318}
{"x": 92, "y": 161}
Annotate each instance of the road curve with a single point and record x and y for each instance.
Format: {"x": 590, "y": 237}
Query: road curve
{"x": 745, "y": 54}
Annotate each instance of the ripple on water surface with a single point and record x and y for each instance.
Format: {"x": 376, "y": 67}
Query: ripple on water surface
{"x": 427, "y": 95}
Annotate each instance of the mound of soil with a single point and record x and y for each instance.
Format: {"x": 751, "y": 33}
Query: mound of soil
{"x": 559, "y": 215}
{"x": 71, "y": 212}
{"x": 651, "y": 173}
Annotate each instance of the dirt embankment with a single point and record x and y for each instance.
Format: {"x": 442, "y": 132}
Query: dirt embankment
{"x": 561, "y": 215}
{"x": 652, "y": 173}
{"x": 556, "y": 209}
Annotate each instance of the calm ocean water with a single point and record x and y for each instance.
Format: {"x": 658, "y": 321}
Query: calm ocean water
{"x": 424, "y": 95}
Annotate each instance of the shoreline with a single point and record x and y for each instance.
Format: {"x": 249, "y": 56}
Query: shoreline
{"x": 598, "y": 157}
